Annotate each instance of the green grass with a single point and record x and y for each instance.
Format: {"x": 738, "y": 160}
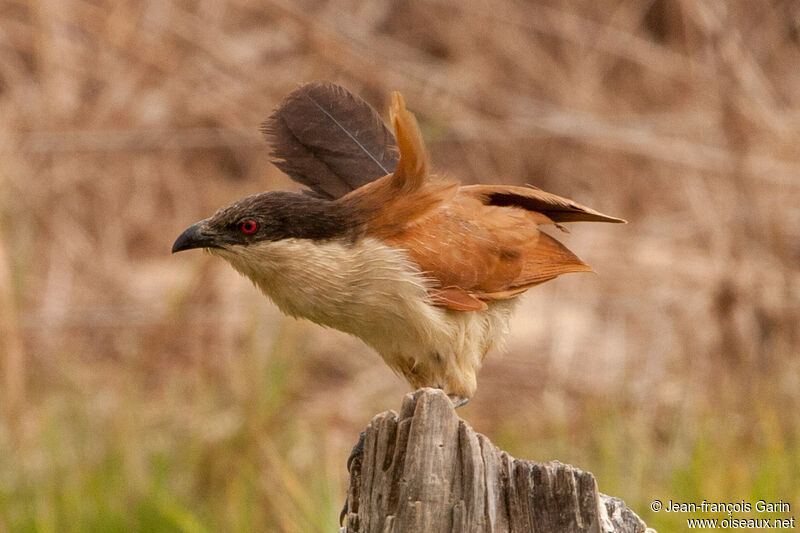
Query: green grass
{"x": 233, "y": 486}
{"x": 197, "y": 459}
{"x": 85, "y": 469}
{"x": 719, "y": 447}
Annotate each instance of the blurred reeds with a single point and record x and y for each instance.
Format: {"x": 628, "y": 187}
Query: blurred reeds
{"x": 147, "y": 392}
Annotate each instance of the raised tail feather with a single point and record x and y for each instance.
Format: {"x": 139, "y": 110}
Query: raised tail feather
{"x": 413, "y": 166}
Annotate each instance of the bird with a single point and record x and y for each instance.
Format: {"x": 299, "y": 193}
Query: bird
{"x": 423, "y": 269}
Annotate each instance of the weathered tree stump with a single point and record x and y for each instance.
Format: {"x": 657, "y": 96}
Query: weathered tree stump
{"x": 427, "y": 470}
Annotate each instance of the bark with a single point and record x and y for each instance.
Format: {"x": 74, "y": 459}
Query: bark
{"x": 427, "y": 470}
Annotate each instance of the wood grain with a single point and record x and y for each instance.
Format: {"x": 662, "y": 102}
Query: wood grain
{"x": 426, "y": 469}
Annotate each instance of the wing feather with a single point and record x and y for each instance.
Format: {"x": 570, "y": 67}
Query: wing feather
{"x": 329, "y": 140}
{"x": 472, "y": 251}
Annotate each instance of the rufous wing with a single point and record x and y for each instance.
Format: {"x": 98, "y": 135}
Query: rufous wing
{"x": 474, "y": 253}
{"x": 457, "y": 299}
{"x": 543, "y": 261}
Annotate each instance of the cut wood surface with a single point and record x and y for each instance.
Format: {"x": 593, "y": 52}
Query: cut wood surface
{"x": 427, "y": 470}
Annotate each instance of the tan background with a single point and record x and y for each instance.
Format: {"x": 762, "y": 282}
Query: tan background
{"x": 144, "y": 391}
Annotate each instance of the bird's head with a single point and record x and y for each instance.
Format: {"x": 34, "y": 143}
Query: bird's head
{"x": 247, "y": 221}
{"x": 268, "y": 217}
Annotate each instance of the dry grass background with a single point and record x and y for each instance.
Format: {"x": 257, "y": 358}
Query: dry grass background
{"x": 143, "y": 391}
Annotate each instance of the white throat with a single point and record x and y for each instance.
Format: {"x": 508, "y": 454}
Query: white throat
{"x": 334, "y": 283}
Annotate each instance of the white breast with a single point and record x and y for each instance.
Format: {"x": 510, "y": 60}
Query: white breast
{"x": 373, "y": 291}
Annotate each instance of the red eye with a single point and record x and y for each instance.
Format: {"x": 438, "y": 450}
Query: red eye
{"x": 248, "y": 226}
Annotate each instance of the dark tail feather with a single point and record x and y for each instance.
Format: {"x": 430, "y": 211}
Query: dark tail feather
{"x": 556, "y": 208}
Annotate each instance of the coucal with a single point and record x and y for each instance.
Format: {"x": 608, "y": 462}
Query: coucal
{"x": 422, "y": 269}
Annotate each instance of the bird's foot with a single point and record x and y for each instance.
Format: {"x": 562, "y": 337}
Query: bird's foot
{"x": 358, "y": 450}
{"x": 457, "y": 400}
{"x": 355, "y": 454}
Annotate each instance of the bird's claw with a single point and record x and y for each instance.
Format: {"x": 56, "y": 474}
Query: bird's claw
{"x": 457, "y": 401}
{"x": 355, "y": 453}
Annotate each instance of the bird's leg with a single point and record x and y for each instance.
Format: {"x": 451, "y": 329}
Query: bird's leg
{"x": 457, "y": 400}
{"x": 355, "y": 454}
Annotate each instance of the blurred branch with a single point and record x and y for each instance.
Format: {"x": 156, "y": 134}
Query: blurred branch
{"x": 744, "y": 70}
{"x": 132, "y": 139}
{"x": 583, "y": 31}
{"x": 633, "y": 138}
{"x": 125, "y": 317}
{"x": 11, "y": 349}
{"x": 387, "y": 58}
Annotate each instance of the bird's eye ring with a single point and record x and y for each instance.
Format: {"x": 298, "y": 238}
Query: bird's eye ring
{"x": 248, "y": 226}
